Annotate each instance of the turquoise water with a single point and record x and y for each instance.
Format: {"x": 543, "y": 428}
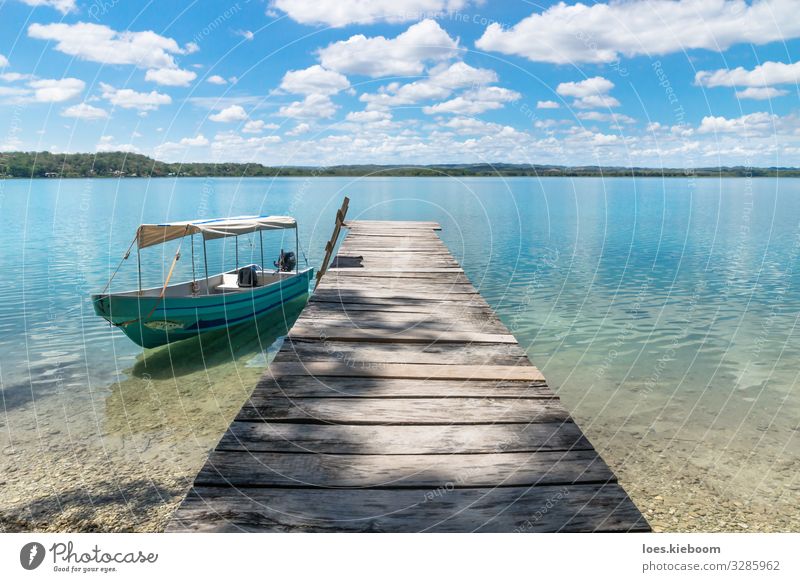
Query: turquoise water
{"x": 663, "y": 312}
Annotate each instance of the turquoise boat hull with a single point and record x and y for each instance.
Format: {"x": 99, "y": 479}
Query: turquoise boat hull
{"x": 152, "y": 321}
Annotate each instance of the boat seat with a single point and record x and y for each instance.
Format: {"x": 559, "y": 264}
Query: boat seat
{"x": 229, "y": 283}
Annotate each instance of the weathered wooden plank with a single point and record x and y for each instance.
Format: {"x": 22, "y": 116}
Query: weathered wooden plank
{"x": 356, "y": 353}
{"x": 338, "y": 333}
{"x": 428, "y": 249}
{"x": 421, "y": 310}
{"x": 398, "y": 471}
{"x": 451, "y": 317}
{"x": 419, "y": 270}
{"x": 342, "y": 387}
{"x": 402, "y": 440}
{"x": 577, "y": 508}
{"x": 394, "y": 411}
{"x": 458, "y": 309}
{"x": 350, "y": 274}
{"x": 389, "y": 324}
{"x": 427, "y": 371}
{"x": 353, "y": 299}
{"x": 475, "y": 300}
{"x": 399, "y": 287}
{"x": 328, "y": 294}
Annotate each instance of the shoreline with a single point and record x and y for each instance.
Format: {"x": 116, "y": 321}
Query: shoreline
{"x": 437, "y": 176}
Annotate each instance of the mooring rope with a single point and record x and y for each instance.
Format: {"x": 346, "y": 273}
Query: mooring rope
{"x": 163, "y": 289}
{"x": 124, "y": 258}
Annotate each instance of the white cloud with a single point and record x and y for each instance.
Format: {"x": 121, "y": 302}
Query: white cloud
{"x": 229, "y": 114}
{"x": 216, "y": 80}
{"x": 616, "y": 118}
{"x": 197, "y": 141}
{"x": 471, "y": 126}
{"x": 3, "y": 61}
{"x": 257, "y": 126}
{"x": 106, "y": 144}
{"x": 55, "y": 90}
{"x": 101, "y": 44}
{"x": 761, "y": 93}
{"x": 63, "y": 6}
{"x": 173, "y": 151}
{"x": 344, "y": 12}
{"x": 589, "y": 93}
{"x": 245, "y": 34}
{"x": 368, "y": 116}
{"x": 596, "y": 101}
{"x": 764, "y": 75}
{"x": 474, "y": 102}
{"x": 752, "y": 123}
{"x": 13, "y": 77}
{"x": 313, "y": 106}
{"x": 230, "y": 146}
{"x": 130, "y": 99}
{"x": 299, "y": 129}
{"x": 585, "y": 88}
{"x": 547, "y": 105}
{"x": 85, "y": 111}
{"x": 378, "y": 56}
{"x": 172, "y": 77}
{"x": 14, "y": 92}
{"x": 603, "y": 32}
{"x": 312, "y": 80}
{"x": 440, "y": 84}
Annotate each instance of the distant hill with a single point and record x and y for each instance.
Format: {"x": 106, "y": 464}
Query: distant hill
{"x": 121, "y": 164}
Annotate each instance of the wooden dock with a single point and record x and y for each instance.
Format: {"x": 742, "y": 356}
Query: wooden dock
{"x": 400, "y": 403}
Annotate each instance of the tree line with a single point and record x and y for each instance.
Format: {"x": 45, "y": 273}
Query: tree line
{"x": 123, "y": 164}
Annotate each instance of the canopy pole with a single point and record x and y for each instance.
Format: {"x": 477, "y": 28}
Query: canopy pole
{"x": 194, "y": 279}
{"x": 139, "y": 266}
{"x": 261, "y": 237}
{"x": 236, "y": 244}
{"x": 205, "y": 263}
{"x": 296, "y": 250}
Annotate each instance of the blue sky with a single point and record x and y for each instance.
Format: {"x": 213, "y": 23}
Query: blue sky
{"x": 684, "y": 83}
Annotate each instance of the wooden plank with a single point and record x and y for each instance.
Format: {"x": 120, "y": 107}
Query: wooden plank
{"x": 388, "y": 324}
{"x": 354, "y": 353}
{"x": 397, "y": 251}
{"x": 420, "y": 270}
{"x": 578, "y": 508}
{"x": 344, "y": 387}
{"x": 349, "y": 274}
{"x": 401, "y": 287}
{"x": 443, "y": 300}
{"x": 427, "y": 371}
{"x": 337, "y": 333}
{"x": 457, "y": 309}
{"x": 233, "y": 468}
{"x": 328, "y": 293}
{"x": 262, "y": 437}
{"x": 396, "y": 411}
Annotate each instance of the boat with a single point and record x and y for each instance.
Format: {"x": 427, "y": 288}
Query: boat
{"x": 160, "y": 315}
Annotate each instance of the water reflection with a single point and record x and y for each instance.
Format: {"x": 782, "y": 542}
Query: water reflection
{"x": 120, "y": 458}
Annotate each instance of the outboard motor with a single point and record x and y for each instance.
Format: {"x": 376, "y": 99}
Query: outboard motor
{"x": 286, "y": 262}
{"x": 247, "y": 276}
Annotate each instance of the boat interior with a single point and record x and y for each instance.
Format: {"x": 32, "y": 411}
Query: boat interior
{"x": 216, "y": 284}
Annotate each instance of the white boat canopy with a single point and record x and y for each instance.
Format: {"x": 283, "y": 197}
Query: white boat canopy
{"x": 148, "y": 235}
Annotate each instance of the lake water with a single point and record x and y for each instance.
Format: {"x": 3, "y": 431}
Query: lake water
{"x": 663, "y": 312}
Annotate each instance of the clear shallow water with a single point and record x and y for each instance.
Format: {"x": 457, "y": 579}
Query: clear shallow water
{"x": 663, "y": 312}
